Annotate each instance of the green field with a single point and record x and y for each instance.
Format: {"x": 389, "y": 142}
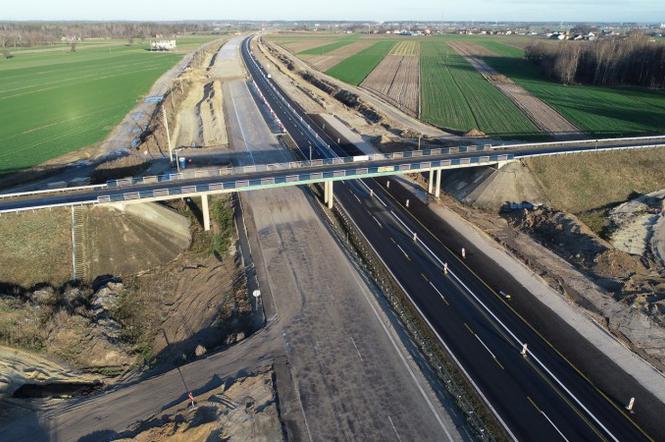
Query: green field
{"x": 455, "y": 96}
{"x": 355, "y": 68}
{"x": 53, "y": 101}
{"x": 597, "y": 110}
{"x": 322, "y": 50}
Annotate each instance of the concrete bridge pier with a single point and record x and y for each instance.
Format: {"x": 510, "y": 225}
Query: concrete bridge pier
{"x": 328, "y": 193}
{"x": 430, "y": 181}
{"x": 205, "y": 211}
{"x": 437, "y": 187}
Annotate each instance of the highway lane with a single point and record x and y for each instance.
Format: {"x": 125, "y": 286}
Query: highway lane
{"x": 522, "y": 391}
{"x": 536, "y": 396}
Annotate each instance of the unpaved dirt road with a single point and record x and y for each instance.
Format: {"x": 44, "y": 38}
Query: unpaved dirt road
{"x": 545, "y": 117}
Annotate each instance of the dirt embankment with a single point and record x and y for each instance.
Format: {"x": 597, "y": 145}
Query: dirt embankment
{"x": 376, "y": 120}
{"x": 192, "y": 105}
{"x": 631, "y": 298}
{"x": 173, "y": 305}
{"x": 241, "y": 409}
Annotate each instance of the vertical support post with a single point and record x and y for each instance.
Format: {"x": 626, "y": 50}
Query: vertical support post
{"x": 437, "y": 187}
{"x": 168, "y": 135}
{"x": 430, "y": 181}
{"x": 205, "y": 211}
{"x": 330, "y": 195}
{"x": 325, "y": 192}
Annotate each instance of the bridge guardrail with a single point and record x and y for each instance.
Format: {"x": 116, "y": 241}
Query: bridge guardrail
{"x": 246, "y": 184}
{"x": 205, "y": 173}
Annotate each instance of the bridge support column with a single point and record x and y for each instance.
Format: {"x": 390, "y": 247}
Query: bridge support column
{"x": 430, "y": 181}
{"x": 437, "y": 187}
{"x": 325, "y": 192}
{"x": 205, "y": 211}
{"x": 330, "y": 195}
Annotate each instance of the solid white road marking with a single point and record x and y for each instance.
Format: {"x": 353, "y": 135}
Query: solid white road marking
{"x": 377, "y": 221}
{"x": 402, "y": 250}
{"x": 519, "y": 341}
{"x": 440, "y": 294}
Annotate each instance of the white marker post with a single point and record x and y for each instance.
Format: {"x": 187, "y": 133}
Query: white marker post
{"x": 407, "y": 204}
{"x": 630, "y": 405}
{"x": 523, "y": 352}
{"x": 191, "y": 398}
{"x": 388, "y": 184}
{"x": 445, "y": 268}
{"x": 371, "y": 193}
{"x": 415, "y": 237}
{"x": 463, "y": 253}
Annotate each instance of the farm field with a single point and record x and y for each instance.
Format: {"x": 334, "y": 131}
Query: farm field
{"x": 455, "y": 96}
{"x": 598, "y": 110}
{"x": 355, "y": 68}
{"x": 329, "y": 47}
{"x": 55, "y": 101}
{"x": 334, "y": 57}
{"x": 397, "y": 77}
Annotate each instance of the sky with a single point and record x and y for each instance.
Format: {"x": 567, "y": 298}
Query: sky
{"x": 376, "y": 10}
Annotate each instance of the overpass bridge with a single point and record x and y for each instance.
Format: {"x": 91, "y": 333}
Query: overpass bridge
{"x": 204, "y": 182}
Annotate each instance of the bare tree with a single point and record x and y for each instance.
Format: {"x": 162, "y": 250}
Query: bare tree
{"x": 72, "y": 46}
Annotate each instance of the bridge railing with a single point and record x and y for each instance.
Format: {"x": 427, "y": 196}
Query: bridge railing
{"x": 361, "y": 171}
{"x": 578, "y": 142}
{"x": 226, "y": 171}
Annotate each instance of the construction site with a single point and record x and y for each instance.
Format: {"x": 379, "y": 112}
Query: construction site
{"x": 384, "y": 309}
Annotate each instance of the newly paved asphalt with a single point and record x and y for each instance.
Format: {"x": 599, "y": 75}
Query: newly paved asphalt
{"x": 538, "y": 397}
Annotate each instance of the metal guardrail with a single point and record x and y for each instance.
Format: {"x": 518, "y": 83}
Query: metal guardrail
{"x": 573, "y": 142}
{"x": 46, "y": 191}
{"x": 362, "y": 171}
{"x": 359, "y": 159}
{"x": 221, "y": 172}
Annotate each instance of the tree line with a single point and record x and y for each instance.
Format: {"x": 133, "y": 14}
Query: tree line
{"x": 26, "y": 34}
{"x": 633, "y": 61}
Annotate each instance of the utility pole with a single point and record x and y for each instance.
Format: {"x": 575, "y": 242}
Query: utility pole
{"x": 168, "y": 136}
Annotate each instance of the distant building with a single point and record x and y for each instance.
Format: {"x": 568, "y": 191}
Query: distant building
{"x": 162, "y": 45}
{"x": 662, "y": 26}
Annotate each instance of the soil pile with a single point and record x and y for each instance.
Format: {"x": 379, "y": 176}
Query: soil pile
{"x": 241, "y": 409}
{"x": 18, "y": 368}
{"x": 632, "y": 302}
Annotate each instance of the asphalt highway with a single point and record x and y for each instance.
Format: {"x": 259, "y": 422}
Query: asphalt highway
{"x": 537, "y": 396}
